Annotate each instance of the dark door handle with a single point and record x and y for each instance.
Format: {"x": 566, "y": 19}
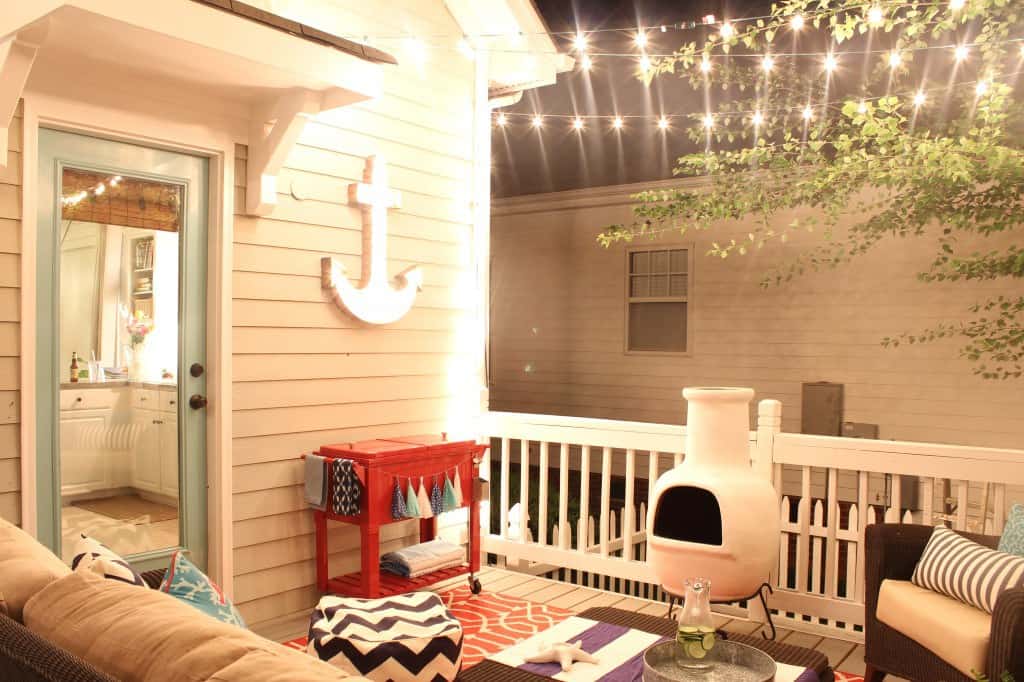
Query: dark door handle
{"x": 197, "y": 402}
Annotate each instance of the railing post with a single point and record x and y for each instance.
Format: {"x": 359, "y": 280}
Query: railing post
{"x": 769, "y": 423}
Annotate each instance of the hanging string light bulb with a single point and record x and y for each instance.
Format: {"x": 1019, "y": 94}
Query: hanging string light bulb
{"x": 808, "y": 113}
{"x": 645, "y": 63}
{"x": 862, "y": 107}
{"x": 957, "y": 5}
{"x": 580, "y": 42}
{"x": 663, "y": 123}
{"x": 586, "y": 63}
{"x": 830, "y": 63}
{"x": 709, "y": 121}
{"x": 895, "y": 59}
{"x": 727, "y": 30}
{"x": 757, "y": 119}
{"x": 875, "y": 15}
{"x": 981, "y": 88}
{"x": 577, "y": 123}
{"x": 961, "y": 53}
{"x": 767, "y": 63}
{"x": 919, "y": 99}
{"x": 617, "y": 123}
{"x": 537, "y": 121}
{"x": 797, "y": 22}
{"x": 502, "y": 120}
{"x": 640, "y": 39}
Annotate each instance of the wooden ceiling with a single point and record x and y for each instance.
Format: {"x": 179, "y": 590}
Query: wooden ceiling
{"x": 130, "y": 202}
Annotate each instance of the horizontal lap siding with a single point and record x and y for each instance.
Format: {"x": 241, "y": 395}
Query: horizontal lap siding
{"x": 10, "y": 341}
{"x": 550, "y": 356}
{"x": 306, "y": 374}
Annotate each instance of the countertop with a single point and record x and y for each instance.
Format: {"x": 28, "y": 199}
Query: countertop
{"x": 155, "y": 385}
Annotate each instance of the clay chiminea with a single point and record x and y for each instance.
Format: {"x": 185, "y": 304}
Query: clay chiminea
{"x": 713, "y": 515}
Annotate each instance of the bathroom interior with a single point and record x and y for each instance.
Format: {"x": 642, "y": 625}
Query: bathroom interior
{"x": 118, "y": 361}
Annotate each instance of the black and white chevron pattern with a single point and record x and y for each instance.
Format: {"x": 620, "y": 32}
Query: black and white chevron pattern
{"x": 406, "y": 637}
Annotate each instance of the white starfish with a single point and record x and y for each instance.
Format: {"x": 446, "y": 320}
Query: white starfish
{"x": 563, "y": 653}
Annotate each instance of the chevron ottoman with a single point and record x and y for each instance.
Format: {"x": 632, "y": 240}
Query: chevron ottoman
{"x": 405, "y": 637}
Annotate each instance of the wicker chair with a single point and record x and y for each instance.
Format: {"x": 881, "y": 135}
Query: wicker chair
{"x": 891, "y": 552}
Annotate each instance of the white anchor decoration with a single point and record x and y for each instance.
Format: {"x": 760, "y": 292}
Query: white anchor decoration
{"x": 376, "y": 300}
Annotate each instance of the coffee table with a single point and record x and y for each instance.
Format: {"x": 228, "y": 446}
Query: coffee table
{"x": 490, "y": 671}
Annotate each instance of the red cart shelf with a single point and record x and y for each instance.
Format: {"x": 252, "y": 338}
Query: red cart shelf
{"x": 378, "y": 463}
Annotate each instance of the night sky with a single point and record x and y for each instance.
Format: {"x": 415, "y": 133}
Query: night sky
{"x": 557, "y": 158}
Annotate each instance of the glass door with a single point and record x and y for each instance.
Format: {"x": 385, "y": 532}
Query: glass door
{"x": 121, "y": 349}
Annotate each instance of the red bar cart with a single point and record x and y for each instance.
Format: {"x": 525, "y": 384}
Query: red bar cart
{"x": 379, "y": 463}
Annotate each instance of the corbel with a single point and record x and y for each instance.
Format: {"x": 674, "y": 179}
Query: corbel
{"x": 17, "y": 54}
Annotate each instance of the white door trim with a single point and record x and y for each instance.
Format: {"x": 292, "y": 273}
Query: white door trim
{"x": 129, "y": 117}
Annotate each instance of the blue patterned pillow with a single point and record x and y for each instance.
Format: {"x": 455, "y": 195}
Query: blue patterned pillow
{"x": 1012, "y": 541}
{"x": 186, "y": 582}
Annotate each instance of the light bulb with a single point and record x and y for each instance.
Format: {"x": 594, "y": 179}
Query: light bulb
{"x": 617, "y": 123}
{"x": 767, "y": 63}
{"x": 758, "y": 118}
{"x": 831, "y": 63}
{"x": 580, "y": 42}
{"x": 663, "y": 123}
{"x": 957, "y": 5}
{"x": 862, "y": 108}
{"x": 645, "y": 64}
{"x": 808, "y": 113}
{"x": 981, "y": 88}
{"x": 895, "y": 59}
{"x": 577, "y": 124}
{"x": 640, "y": 39}
{"x": 537, "y": 121}
{"x": 875, "y": 16}
{"x": 709, "y": 121}
{"x": 727, "y": 31}
{"x": 797, "y": 22}
{"x": 705, "y": 64}
{"x": 663, "y": 29}
{"x": 586, "y": 63}
{"x": 919, "y": 99}
{"x": 115, "y": 181}
{"x": 100, "y": 189}
{"x": 961, "y": 53}
{"x": 502, "y": 120}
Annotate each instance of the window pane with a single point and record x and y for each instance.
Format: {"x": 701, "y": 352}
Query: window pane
{"x": 677, "y": 287}
{"x": 659, "y": 285}
{"x": 639, "y": 262}
{"x": 659, "y": 262}
{"x": 657, "y": 327}
{"x": 679, "y": 261}
{"x": 639, "y": 286}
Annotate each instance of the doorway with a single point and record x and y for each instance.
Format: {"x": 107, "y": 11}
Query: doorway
{"x": 121, "y": 347}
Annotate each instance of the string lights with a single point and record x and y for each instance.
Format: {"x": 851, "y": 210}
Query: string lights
{"x": 98, "y": 190}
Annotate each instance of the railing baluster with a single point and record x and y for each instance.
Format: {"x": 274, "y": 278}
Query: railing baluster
{"x": 803, "y": 539}
{"x": 817, "y": 543}
{"x": 783, "y": 578}
{"x": 928, "y": 501}
{"x": 893, "y": 514}
{"x": 998, "y": 508}
{"x": 832, "y": 521}
{"x": 503, "y": 510}
{"x": 584, "y": 540}
{"x": 852, "y": 570}
{"x": 565, "y": 534}
{"x": 542, "y": 496}
{"x": 628, "y": 513}
{"x": 524, "y": 487}
{"x": 862, "y": 521}
{"x": 962, "y": 491}
{"x": 606, "y": 498}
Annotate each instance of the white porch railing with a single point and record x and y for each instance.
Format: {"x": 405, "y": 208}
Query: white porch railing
{"x": 593, "y": 531}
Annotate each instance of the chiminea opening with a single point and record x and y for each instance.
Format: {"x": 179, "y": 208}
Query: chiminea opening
{"x": 688, "y": 514}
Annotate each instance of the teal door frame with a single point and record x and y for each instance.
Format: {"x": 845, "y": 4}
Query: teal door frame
{"x": 57, "y": 150}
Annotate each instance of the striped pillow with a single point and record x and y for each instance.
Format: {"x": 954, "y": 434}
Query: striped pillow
{"x": 957, "y": 567}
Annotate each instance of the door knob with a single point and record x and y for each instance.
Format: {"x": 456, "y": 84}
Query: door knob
{"x": 196, "y": 370}
{"x": 197, "y": 402}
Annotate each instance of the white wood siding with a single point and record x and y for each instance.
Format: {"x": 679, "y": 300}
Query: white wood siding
{"x": 10, "y": 284}
{"x": 558, "y": 325}
{"x": 304, "y": 373}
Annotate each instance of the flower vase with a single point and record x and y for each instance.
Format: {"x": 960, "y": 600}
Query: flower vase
{"x": 696, "y": 634}
{"x": 135, "y": 368}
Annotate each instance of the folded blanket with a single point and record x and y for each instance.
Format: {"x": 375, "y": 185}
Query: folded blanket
{"x": 425, "y": 557}
{"x": 316, "y": 482}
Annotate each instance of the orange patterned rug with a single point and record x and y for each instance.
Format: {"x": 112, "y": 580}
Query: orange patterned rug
{"x": 490, "y": 622}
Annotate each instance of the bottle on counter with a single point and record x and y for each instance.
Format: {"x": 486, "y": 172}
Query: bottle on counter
{"x": 74, "y": 367}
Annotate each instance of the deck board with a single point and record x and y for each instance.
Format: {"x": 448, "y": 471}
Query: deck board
{"x": 842, "y": 655}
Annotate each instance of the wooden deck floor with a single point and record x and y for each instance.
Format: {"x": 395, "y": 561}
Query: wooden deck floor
{"x": 845, "y": 656}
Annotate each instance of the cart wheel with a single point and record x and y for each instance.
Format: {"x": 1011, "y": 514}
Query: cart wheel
{"x": 475, "y": 586}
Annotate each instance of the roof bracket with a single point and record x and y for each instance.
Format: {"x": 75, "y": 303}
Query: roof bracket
{"x": 17, "y": 53}
{"x": 276, "y": 127}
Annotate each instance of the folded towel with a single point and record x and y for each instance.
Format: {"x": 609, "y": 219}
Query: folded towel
{"x": 316, "y": 482}
{"x": 423, "y": 558}
{"x": 348, "y": 490}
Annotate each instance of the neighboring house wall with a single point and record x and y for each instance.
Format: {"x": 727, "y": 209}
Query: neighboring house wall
{"x": 821, "y": 327}
{"x": 304, "y": 373}
{"x": 10, "y": 330}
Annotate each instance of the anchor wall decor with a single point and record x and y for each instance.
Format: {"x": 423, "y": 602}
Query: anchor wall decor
{"x": 376, "y": 300}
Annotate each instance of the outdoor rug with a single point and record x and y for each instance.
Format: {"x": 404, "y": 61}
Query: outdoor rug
{"x": 129, "y": 508}
{"x": 490, "y": 622}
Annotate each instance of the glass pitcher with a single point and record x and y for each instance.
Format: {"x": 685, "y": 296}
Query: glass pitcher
{"x": 696, "y": 634}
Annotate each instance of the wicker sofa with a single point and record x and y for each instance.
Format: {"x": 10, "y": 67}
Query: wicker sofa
{"x": 891, "y": 553}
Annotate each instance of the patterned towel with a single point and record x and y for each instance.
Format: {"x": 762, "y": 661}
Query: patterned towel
{"x": 348, "y": 491}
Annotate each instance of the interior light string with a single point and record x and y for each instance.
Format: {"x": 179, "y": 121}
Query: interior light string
{"x": 918, "y": 98}
{"x": 98, "y": 190}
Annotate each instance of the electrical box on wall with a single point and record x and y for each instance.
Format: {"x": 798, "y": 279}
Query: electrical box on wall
{"x": 821, "y": 408}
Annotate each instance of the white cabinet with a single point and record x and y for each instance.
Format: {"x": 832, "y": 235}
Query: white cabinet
{"x": 156, "y": 452}
{"x": 169, "y": 455}
{"x": 91, "y": 420}
{"x": 147, "y": 451}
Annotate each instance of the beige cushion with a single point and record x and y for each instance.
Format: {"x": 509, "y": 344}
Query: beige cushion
{"x": 3, "y": 605}
{"x": 955, "y": 632}
{"x": 138, "y": 634}
{"x": 25, "y": 567}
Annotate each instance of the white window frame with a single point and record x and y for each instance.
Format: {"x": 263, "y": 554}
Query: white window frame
{"x": 687, "y": 299}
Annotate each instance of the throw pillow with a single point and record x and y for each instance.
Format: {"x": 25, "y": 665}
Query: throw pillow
{"x": 92, "y": 555}
{"x": 960, "y": 568}
{"x": 1012, "y": 540}
{"x": 186, "y": 582}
